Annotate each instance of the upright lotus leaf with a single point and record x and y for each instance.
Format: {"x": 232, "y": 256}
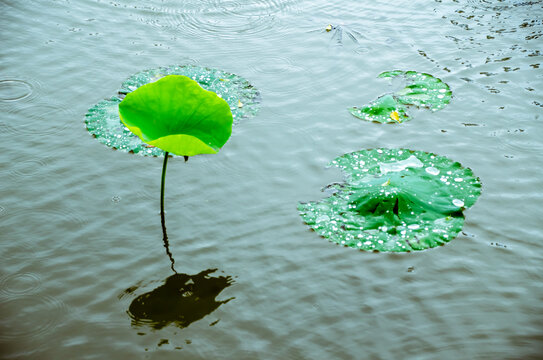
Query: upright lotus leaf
{"x": 162, "y": 111}
{"x": 103, "y": 122}
{"x": 394, "y": 200}
{"x": 422, "y": 90}
{"x": 233, "y": 88}
{"x": 176, "y": 115}
{"x": 383, "y": 110}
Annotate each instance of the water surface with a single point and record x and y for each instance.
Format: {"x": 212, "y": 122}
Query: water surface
{"x": 79, "y": 223}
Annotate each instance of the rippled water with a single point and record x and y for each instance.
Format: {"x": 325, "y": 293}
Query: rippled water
{"x": 81, "y": 241}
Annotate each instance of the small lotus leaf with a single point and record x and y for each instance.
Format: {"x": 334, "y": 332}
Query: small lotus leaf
{"x": 422, "y": 90}
{"x": 103, "y": 122}
{"x": 394, "y": 200}
{"x": 176, "y": 115}
{"x": 383, "y": 110}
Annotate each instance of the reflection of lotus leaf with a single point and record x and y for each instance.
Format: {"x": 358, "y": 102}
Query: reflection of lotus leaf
{"x": 383, "y": 110}
{"x": 103, "y": 121}
{"x": 422, "y": 91}
{"x": 181, "y": 300}
{"x": 394, "y": 200}
{"x": 176, "y": 115}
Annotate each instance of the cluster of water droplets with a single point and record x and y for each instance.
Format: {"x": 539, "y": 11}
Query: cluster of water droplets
{"x": 103, "y": 122}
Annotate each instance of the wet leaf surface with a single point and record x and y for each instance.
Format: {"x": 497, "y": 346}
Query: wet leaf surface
{"x": 176, "y": 115}
{"x": 386, "y": 109}
{"x": 421, "y": 91}
{"x": 103, "y": 122}
{"x": 394, "y": 200}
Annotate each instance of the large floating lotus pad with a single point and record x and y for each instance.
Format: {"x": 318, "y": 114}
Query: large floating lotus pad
{"x": 394, "y": 200}
{"x": 421, "y": 91}
{"x": 103, "y": 120}
{"x": 176, "y": 115}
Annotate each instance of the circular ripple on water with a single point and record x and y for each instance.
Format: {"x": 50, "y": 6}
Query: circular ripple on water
{"x": 37, "y": 232}
{"x": 27, "y": 316}
{"x": 275, "y": 65}
{"x": 27, "y": 168}
{"x": 271, "y": 160}
{"x": 36, "y": 119}
{"x": 13, "y": 89}
{"x": 525, "y": 138}
{"x": 230, "y": 19}
{"x": 19, "y": 284}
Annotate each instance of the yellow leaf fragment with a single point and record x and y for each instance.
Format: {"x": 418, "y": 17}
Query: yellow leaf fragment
{"x": 387, "y": 183}
{"x": 240, "y": 104}
{"x": 395, "y": 116}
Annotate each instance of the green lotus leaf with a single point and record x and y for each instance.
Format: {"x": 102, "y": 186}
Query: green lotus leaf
{"x": 386, "y": 109}
{"x": 422, "y": 90}
{"x": 176, "y": 115}
{"x": 103, "y": 122}
{"x": 394, "y": 200}
{"x": 243, "y": 98}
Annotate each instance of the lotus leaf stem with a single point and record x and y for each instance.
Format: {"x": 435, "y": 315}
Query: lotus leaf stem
{"x": 162, "y": 218}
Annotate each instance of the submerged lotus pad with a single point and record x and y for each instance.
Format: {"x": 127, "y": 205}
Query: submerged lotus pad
{"x": 103, "y": 120}
{"x": 422, "y": 91}
{"x": 394, "y": 200}
{"x": 178, "y": 116}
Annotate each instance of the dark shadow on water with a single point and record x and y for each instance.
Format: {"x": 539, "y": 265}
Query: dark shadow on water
{"x": 181, "y": 300}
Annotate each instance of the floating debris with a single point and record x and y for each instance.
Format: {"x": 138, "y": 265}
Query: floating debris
{"x": 338, "y": 31}
{"x": 394, "y": 200}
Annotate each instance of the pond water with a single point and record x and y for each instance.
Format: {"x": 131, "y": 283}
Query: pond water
{"x": 84, "y": 269}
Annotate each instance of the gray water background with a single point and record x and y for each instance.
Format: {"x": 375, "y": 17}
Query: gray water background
{"x": 79, "y": 222}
